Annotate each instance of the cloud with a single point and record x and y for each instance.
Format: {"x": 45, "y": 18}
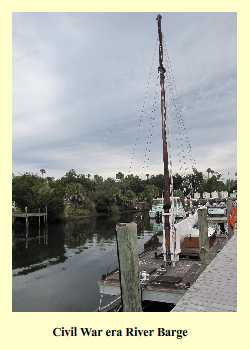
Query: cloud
{"x": 79, "y": 82}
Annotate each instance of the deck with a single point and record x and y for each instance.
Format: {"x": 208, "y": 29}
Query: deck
{"x": 163, "y": 284}
{"x": 24, "y": 215}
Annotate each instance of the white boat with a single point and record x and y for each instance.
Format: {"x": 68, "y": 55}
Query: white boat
{"x": 217, "y": 210}
{"x": 157, "y": 208}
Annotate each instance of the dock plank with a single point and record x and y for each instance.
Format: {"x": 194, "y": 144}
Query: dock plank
{"x": 216, "y": 288}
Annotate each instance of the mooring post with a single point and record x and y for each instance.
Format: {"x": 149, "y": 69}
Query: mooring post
{"x": 230, "y": 230}
{"x": 203, "y": 234}
{"x": 127, "y": 247}
{"x": 39, "y": 218}
{"x": 39, "y": 225}
{"x": 26, "y": 221}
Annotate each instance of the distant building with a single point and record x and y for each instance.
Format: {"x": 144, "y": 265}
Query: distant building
{"x": 197, "y": 195}
{"x": 223, "y": 195}
{"x": 214, "y": 195}
{"x": 206, "y": 195}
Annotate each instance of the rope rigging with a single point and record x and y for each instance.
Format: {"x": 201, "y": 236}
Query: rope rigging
{"x": 142, "y": 113}
{"x": 181, "y": 156}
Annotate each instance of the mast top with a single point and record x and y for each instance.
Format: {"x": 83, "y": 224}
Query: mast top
{"x": 161, "y": 68}
{"x": 159, "y": 17}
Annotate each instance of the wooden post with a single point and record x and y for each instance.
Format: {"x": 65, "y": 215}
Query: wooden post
{"x": 230, "y": 230}
{"x": 39, "y": 226}
{"x": 39, "y": 218}
{"x": 127, "y": 247}
{"x": 203, "y": 234}
{"x": 26, "y": 221}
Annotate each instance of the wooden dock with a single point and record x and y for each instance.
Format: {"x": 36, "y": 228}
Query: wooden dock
{"x": 29, "y": 215}
{"x": 26, "y": 215}
{"x": 216, "y": 287}
{"x": 163, "y": 284}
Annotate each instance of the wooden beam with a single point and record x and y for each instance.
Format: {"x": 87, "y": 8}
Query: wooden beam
{"x": 203, "y": 234}
{"x": 127, "y": 247}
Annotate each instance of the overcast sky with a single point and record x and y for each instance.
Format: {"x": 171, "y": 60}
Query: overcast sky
{"x": 80, "y": 79}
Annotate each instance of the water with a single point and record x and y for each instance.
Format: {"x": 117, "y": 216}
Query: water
{"x": 59, "y": 269}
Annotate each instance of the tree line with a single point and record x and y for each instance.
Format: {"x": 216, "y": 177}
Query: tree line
{"x": 76, "y": 194}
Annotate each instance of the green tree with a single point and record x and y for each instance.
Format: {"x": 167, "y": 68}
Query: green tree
{"x": 119, "y": 176}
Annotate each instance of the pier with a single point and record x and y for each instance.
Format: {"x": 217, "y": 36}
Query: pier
{"x": 216, "y": 287}
{"x": 26, "y": 215}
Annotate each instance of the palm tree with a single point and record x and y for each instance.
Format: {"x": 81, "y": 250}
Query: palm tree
{"x": 209, "y": 171}
{"x": 75, "y": 194}
{"x": 42, "y": 171}
{"x": 218, "y": 175}
{"x": 119, "y": 176}
{"x": 147, "y": 176}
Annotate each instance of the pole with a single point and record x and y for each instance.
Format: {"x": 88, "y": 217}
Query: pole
{"x": 26, "y": 221}
{"x": 127, "y": 248}
{"x": 203, "y": 234}
{"x": 166, "y": 184}
{"x": 39, "y": 218}
{"x": 26, "y": 227}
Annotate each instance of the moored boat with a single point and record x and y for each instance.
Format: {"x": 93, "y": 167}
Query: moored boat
{"x": 157, "y": 208}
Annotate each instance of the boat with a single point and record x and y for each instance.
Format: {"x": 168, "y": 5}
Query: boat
{"x": 177, "y": 236}
{"x": 217, "y": 210}
{"x": 157, "y": 208}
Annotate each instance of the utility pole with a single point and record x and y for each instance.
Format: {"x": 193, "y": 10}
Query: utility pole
{"x": 166, "y": 185}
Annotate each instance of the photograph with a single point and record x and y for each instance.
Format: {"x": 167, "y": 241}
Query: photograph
{"x": 124, "y": 162}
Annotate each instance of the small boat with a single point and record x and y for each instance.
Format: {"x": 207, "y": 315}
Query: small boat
{"x": 217, "y": 210}
{"x": 157, "y": 208}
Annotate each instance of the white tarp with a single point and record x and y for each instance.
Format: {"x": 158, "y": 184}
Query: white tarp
{"x": 183, "y": 229}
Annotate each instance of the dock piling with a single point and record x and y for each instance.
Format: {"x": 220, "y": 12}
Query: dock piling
{"x": 203, "y": 234}
{"x": 127, "y": 247}
{"x": 39, "y": 218}
{"x": 26, "y": 221}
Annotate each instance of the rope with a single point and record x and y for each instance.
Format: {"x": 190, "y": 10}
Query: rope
{"x": 142, "y": 112}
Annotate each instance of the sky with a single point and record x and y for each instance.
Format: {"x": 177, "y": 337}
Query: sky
{"x": 86, "y": 93}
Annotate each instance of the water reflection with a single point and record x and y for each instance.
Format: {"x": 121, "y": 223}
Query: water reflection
{"x": 70, "y": 259}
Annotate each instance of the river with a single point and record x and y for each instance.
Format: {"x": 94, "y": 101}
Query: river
{"x": 59, "y": 269}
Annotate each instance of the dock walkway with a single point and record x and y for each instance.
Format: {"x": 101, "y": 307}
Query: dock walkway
{"x": 216, "y": 288}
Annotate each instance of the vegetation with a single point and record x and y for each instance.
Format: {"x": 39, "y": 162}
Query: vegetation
{"x": 75, "y": 195}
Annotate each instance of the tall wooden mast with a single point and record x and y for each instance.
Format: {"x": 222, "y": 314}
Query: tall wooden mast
{"x": 166, "y": 185}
